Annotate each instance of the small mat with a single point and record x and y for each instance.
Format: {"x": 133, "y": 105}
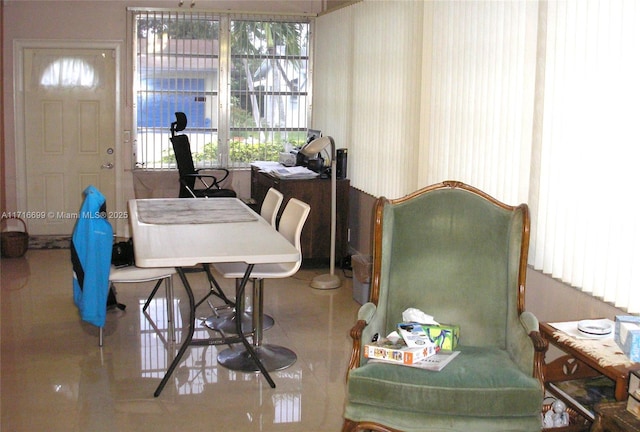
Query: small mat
{"x": 193, "y": 211}
{"x": 49, "y": 241}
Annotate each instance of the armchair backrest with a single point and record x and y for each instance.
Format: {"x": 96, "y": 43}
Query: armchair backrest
{"x": 453, "y": 252}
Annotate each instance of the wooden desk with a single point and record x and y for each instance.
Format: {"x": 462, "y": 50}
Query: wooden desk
{"x": 614, "y": 417}
{"x": 316, "y": 234}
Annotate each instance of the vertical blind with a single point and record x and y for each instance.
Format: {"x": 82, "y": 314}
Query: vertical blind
{"x": 586, "y": 232}
{"x": 383, "y": 61}
{"x": 332, "y": 80}
{"x": 532, "y": 102}
{"x": 482, "y": 88}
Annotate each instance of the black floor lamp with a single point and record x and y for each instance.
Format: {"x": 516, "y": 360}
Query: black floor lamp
{"x": 331, "y": 280}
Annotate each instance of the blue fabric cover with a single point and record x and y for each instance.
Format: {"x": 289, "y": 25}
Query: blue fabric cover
{"x": 92, "y": 242}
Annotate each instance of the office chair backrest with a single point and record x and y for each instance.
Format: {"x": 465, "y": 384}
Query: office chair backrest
{"x": 184, "y": 159}
{"x": 271, "y": 205}
{"x": 292, "y": 221}
{"x": 182, "y": 152}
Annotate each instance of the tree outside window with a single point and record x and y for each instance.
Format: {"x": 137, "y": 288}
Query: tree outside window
{"x": 178, "y": 69}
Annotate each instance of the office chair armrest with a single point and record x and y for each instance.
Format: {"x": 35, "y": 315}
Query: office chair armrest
{"x": 212, "y": 180}
{"x": 220, "y": 174}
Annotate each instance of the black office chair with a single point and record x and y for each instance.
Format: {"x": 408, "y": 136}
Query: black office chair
{"x": 187, "y": 171}
{"x": 188, "y": 176}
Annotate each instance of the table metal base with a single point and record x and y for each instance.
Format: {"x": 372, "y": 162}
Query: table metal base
{"x": 272, "y": 357}
{"x": 227, "y": 323}
{"x": 188, "y": 340}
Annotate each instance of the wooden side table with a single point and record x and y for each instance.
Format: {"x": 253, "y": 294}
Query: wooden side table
{"x": 614, "y": 417}
{"x": 619, "y": 373}
{"x": 585, "y": 363}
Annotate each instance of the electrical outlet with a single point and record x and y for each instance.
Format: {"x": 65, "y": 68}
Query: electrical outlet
{"x": 346, "y": 263}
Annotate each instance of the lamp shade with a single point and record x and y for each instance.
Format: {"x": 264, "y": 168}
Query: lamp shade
{"x": 317, "y": 145}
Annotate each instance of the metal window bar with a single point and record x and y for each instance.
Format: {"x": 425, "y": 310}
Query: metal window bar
{"x": 177, "y": 70}
{"x": 179, "y": 67}
{"x": 269, "y": 104}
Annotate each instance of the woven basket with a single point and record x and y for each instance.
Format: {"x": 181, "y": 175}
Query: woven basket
{"x": 15, "y": 243}
{"x": 577, "y": 423}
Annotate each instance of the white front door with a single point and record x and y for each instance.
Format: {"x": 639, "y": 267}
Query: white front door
{"x": 69, "y": 131}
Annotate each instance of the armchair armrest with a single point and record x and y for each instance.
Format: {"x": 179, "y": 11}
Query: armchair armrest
{"x": 540, "y": 345}
{"x": 356, "y": 349}
{"x": 529, "y": 321}
{"x": 366, "y": 314}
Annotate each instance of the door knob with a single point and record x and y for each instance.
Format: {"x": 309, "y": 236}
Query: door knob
{"x": 107, "y": 166}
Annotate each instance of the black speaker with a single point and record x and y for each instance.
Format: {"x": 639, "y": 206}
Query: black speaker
{"x": 341, "y": 163}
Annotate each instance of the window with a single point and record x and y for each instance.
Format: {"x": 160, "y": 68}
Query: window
{"x": 241, "y": 81}
{"x": 269, "y": 99}
{"x": 67, "y": 72}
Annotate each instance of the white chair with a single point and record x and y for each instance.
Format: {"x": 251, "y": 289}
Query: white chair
{"x": 271, "y": 205}
{"x": 226, "y": 323}
{"x": 93, "y": 274}
{"x": 133, "y": 274}
{"x": 273, "y": 357}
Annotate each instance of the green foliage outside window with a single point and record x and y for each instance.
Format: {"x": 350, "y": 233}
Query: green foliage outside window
{"x": 242, "y": 151}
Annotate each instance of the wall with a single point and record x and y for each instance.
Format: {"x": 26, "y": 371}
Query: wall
{"x": 100, "y": 20}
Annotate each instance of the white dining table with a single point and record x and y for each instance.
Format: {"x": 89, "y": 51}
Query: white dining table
{"x": 185, "y": 232}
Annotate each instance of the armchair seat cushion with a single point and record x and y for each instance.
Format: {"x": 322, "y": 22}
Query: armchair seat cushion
{"x": 479, "y": 382}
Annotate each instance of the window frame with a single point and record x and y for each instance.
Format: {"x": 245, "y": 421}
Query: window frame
{"x": 221, "y": 131}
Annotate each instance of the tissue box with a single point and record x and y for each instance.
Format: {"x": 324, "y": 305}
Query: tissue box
{"x": 444, "y": 336}
{"x": 397, "y": 353}
{"x": 627, "y": 336}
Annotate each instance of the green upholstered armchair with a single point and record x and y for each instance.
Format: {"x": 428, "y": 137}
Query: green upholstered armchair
{"x": 460, "y": 255}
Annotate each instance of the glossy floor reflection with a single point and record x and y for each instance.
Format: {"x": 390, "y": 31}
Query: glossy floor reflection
{"x": 56, "y": 378}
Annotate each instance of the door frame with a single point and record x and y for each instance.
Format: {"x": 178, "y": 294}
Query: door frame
{"x": 19, "y": 45}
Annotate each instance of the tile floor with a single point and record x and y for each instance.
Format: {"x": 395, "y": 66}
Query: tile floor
{"x": 56, "y": 378}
